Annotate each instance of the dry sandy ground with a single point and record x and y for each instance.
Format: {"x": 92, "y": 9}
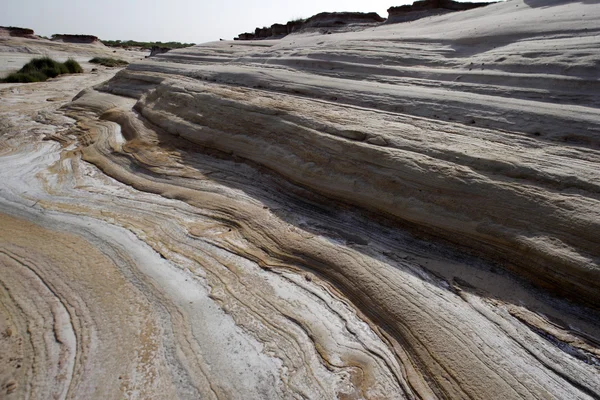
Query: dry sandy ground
{"x": 409, "y": 211}
{"x": 16, "y": 52}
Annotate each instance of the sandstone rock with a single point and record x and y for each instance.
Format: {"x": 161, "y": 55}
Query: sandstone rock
{"x": 155, "y": 50}
{"x": 293, "y": 26}
{"x": 335, "y": 19}
{"x": 245, "y": 36}
{"x": 17, "y": 32}
{"x": 321, "y": 20}
{"x": 225, "y": 223}
{"x": 263, "y": 33}
{"x": 425, "y": 8}
{"x": 80, "y": 39}
{"x": 279, "y": 30}
{"x": 377, "y": 141}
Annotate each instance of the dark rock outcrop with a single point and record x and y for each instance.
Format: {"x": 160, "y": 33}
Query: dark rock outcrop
{"x": 279, "y": 30}
{"x": 262, "y": 33}
{"x": 335, "y": 19}
{"x": 293, "y": 26}
{"x": 83, "y": 39}
{"x": 158, "y": 50}
{"x": 14, "y": 31}
{"x": 321, "y": 20}
{"x": 245, "y": 36}
{"x": 426, "y": 8}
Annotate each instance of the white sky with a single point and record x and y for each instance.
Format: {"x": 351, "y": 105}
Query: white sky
{"x": 194, "y": 21}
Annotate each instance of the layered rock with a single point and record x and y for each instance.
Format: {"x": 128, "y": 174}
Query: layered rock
{"x": 279, "y": 30}
{"x": 534, "y": 236}
{"x": 395, "y": 212}
{"x": 155, "y": 50}
{"x": 419, "y": 123}
{"x": 333, "y": 19}
{"x": 81, "y": 39}
{"x": 17, "y": 32}
{"x": 426, "y": 8}
{"x": 321, "y": 20}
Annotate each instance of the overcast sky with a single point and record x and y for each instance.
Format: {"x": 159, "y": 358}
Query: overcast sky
{"x": 194, "y": 21}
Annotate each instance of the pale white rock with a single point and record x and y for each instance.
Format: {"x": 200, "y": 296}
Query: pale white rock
{"x": 406, "y": 211}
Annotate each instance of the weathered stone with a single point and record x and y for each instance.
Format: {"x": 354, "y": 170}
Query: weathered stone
{"x": 68, "y": 38}
{"x": 279, "y": 30}
{"x": 426, "y": 8}
{"x": 321, "y": 20}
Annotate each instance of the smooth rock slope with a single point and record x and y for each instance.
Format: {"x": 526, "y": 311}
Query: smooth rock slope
{"x": 480, "y": 127}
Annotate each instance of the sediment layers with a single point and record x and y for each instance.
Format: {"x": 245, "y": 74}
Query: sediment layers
{"x": 428, "y": 8}
{"x": 331, "y": 20}
{"x": 387, "y": 213}
{"x": 487, "y": 149}
{"x": 68, "y": 38}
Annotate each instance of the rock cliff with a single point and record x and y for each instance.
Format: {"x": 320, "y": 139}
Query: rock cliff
{"x": 426, "y": 8}
{"x": 321, "y": 20}
{"x": 80, "y": 39}
{"x": 158, "y": 50}
{"x": 17, "y": 32}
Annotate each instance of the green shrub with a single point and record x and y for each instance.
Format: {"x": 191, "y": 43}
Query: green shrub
{"x": 40, "y": 69}
{"x": 73, "y": 66}
{"x": 109, "y": 62}
{"x": 24, "y": 77}
{"x": 45, "y": 65}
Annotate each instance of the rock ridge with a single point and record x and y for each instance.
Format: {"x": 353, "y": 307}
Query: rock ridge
{"x": 322, "y": 20}
{"x": 425, "y": 8}
{"x": 71, "y": 38}
{"x": 17, "y": 32}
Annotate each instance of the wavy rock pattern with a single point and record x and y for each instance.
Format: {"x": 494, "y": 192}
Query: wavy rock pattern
{"x": 320, "y": 217}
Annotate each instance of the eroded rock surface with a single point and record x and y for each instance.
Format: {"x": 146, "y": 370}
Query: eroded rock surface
{"x": 17, "y": 32}
{"x": 428, "y": 8}
{"x": 402, "y": 212}
{"x": 68, "y": 38}
{"x": 331, "y": 20}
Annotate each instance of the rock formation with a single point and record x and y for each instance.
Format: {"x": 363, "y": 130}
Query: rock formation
{"x": 333, "y": 19}
{"x": 17, "y": 32}
{"x": 408, "y": 211}
{"x": 426, "y": 8}
{"x": 245, "y": 36}
{"x": 81, "y": 39}
{"x": 321, "y": 20}
{"x": 279, "y": 30}
{"x": 158, "y": 50}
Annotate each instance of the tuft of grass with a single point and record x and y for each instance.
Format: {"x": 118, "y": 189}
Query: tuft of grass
{"x": 109, "y": 62}
{"x": 40, "y": 69}
{"x": 23, "y": 77}
{"x": 73, "y": 66}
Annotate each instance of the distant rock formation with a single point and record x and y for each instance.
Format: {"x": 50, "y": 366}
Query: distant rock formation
{"x": 321, "y": 20}
{"x": 84, "y": 39}
{"x": 426, "y": 8}
{"x": 158, "y": 50}
{"x": 331, "y": 20}
{"x": 14, "y": 31}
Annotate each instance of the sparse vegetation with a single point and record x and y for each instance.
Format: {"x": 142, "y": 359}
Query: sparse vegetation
{"x": 145, "y": 45}
{"x": 40, "y": 69}
{"x": 109, "y": 62}
{"x": 73, "y": 66}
